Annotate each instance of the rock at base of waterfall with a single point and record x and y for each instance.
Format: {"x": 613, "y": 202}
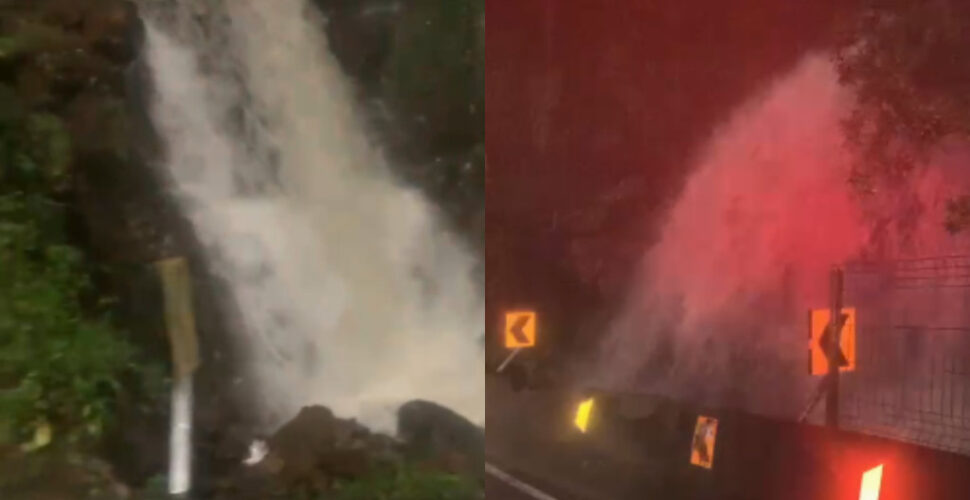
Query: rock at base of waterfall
{"x": 316, "y": 449}
{"x": 437, "y": 436}
{"x": 310, "y": 453}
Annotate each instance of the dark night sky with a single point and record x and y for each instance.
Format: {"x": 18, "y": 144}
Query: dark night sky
{"x": 592, "y": 111}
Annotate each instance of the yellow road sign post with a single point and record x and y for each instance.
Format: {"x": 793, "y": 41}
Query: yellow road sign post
{"x": 179, "y": 316}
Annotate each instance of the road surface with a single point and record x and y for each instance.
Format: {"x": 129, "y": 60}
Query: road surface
{"x": 531, "y": 438}
{"x": 501, "y": 485}
{"x": 496, "y": 489}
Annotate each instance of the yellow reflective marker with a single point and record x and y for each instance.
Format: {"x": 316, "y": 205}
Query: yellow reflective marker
{"x": 582, "y": 415}
{"x": 871, "y": 483}
{"x": 702, "y": 447}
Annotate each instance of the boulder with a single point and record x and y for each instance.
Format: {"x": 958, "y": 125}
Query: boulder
{"x": 315, "y": 449}
{"x": 440, "y": 437}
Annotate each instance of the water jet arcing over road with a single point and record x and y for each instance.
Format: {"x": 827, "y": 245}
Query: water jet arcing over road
{"x": 745, "y": 249}
{"x": 718, "y": 317}
{"x": 351, "y": 294}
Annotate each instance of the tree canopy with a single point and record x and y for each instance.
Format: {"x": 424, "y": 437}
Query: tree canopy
{"x": 909, "y": 63}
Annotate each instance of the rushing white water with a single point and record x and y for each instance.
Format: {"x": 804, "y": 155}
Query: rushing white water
{"x": 352, "y": 296}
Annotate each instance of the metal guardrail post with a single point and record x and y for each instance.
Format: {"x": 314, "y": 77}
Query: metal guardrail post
{"x": 835, "y": 337}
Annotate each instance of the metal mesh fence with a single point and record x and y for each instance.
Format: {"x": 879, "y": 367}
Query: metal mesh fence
{"x": 913, "y": 351}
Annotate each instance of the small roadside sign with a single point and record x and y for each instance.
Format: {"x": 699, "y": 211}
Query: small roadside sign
{"x": 702, "y": 446}
{"x": 820, "y": 332}
{"x": 520, "y": 329}
{"x": 179, "y": 316}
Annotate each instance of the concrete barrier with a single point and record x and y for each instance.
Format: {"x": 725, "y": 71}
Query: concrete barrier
{"x": 762, "y": 458}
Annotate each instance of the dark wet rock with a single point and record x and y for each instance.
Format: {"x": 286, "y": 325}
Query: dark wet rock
{"x": 419, "y": 66}
{"x": 316, "y": 449}
{"x": 430, "y": 76}
{"x": 310, "y": 453}
{"x": 317, "y": 444}
{"x": 57, "y": 475}
{"x": 137, "y": 454}
{"x": 113, "y": 30}
{"x": 437, "y": 435}
{"x": 360, "y": 34}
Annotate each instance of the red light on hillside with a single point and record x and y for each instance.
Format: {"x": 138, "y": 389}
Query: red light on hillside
{"x": 871, "y": 481}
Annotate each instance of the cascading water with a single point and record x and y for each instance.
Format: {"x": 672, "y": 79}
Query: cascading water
{"x": 350, "y": 293}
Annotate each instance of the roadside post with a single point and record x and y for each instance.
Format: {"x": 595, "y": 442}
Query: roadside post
{"x": 831, "y": 349}
{"x": 520, "y": 333}
{"x": 180, "y": 324}
{"x": 834, "y": 348}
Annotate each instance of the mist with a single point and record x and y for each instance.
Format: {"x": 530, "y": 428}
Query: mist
{"x": 718, "y": 316}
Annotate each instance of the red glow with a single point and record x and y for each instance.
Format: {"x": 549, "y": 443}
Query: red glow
{"x": 768, "y": 195}
{"x": 760, "y": 222}
{"x": 748, "y": 245}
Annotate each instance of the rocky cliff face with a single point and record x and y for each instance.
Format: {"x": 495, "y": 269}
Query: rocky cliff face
{"x": 419, "y": 65}
{"x": 69, "y": 61}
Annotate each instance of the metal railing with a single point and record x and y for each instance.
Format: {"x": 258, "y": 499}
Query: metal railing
{"x": 913, "y": 352}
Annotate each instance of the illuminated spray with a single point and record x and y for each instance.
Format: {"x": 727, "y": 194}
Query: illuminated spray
{"x": 745, "y": 251}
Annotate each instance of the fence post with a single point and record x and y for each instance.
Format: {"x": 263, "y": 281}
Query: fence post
{"x": 834, "y": 347}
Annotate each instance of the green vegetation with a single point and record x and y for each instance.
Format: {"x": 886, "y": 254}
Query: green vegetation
{"x": 60, "y": 358}
{"x": 59, "y": 367}
{"x": 909, "y": 63}
{"x": 407, "y": 484}
{"x": 390, "y": 483}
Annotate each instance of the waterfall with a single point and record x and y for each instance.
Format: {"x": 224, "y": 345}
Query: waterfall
{"x": 351, "y": 293}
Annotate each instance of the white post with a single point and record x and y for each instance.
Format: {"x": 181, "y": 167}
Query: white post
{"x": 180, "y": 439}
{"x": 180, "y": 320}
{"x": 508, "y": 360}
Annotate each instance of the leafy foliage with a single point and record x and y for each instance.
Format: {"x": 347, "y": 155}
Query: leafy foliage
{"x": 56, "y": 365}
{"x": 408, "y": 483}
{"x": 60, "y": 360}
{"x": 35, "y": 150}
{"x": 909, "y": 63}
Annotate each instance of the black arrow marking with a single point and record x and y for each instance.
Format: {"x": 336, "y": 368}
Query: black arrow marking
{"x": 700, "y": 445}
{"x": 826, "y": 344}
{"x": 517, "y": 327}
